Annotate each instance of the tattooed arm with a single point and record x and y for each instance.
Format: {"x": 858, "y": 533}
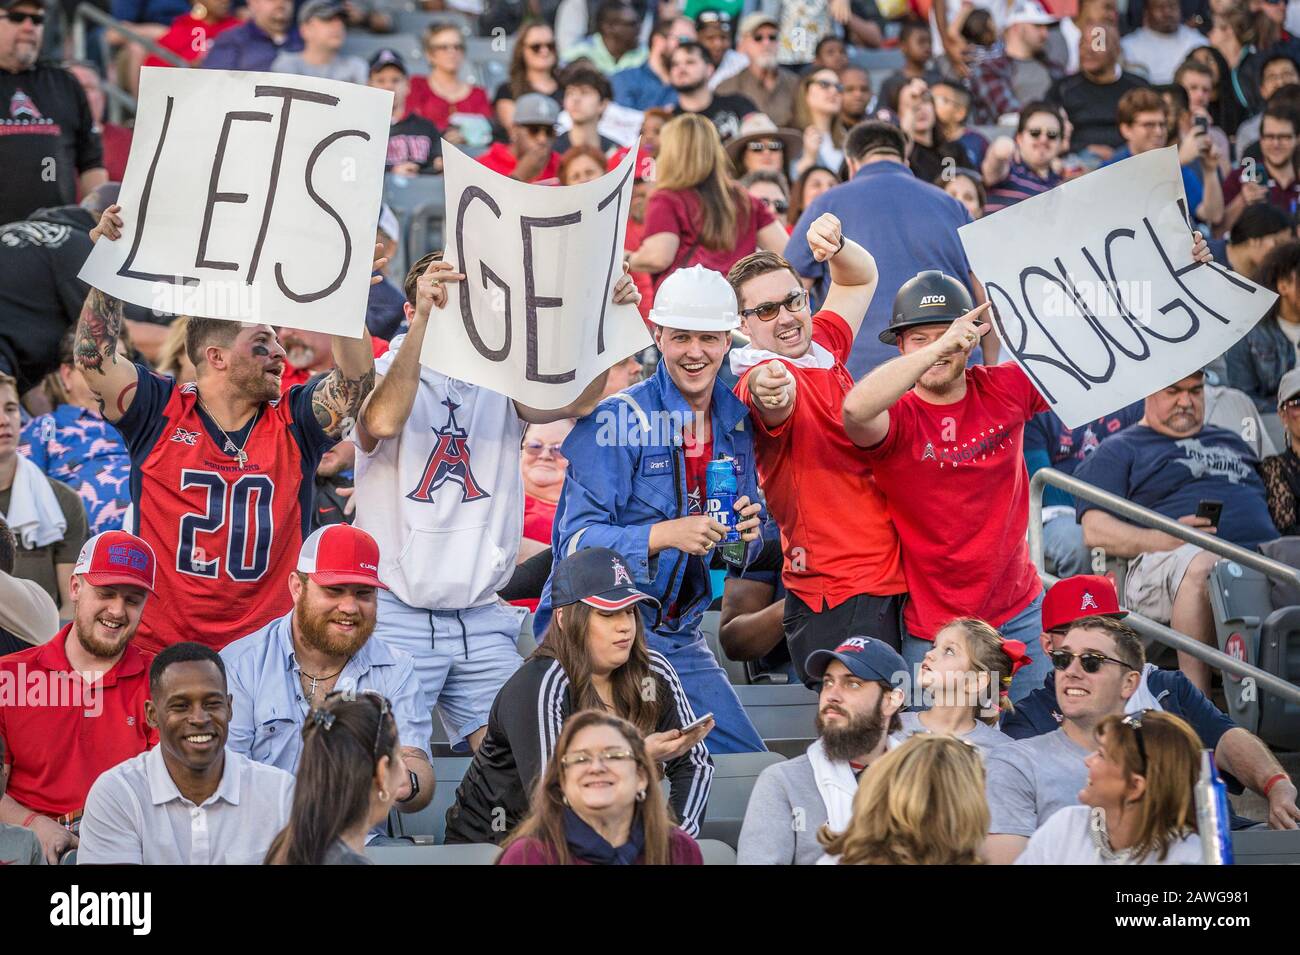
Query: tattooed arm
{"x": 336, "y": 402}
{"x": 111, "y": 377}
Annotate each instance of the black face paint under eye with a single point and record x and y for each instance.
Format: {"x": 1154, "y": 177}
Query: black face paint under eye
{"x": 261, "y": 351}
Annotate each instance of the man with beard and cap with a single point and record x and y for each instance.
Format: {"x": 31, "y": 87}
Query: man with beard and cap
{"x": 280, "y": 673}
{"x": 75, "y": 707}
{"x": 187, "y": 801}
{"x": 857, "y": 712}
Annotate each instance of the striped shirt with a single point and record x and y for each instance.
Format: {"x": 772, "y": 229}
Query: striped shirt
{"x": 1021, "y": 183}
{"x": 523, "y": 729}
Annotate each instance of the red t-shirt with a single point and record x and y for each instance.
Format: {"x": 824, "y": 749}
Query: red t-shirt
{"x": 809, "y": 468}
{"x": 58, "y": 743}
{"x": 698, "y": 457}
{"x": 423, "y": 101}
{"x": 117, "y": 147}
{"x": 539, "y": 517}
{"x": 678, "y": 211}
{"x": 190, "y": 38}
{"x": 500, "y": 159}
{"x": 955, "y": 482}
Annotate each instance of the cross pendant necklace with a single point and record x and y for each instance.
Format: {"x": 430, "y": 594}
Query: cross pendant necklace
{"x": 232, "y": 449}
{"x": 236, "y": 452}
{"x": 316, "y": 681}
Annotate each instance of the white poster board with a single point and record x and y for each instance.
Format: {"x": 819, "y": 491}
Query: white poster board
{"x": 252, "y": 197}
{"x": 1096, "y": 294}
{"x": 534, "y": 318}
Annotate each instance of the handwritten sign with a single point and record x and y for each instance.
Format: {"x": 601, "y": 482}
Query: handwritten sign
{"x": 534, "y": 318}
{"x": 1096, "y": 294}
{"x": 252, "y": 197}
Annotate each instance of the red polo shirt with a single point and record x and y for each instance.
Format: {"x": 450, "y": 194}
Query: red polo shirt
{"x": 835, "y": 531}
{"x": 59, "y": 737}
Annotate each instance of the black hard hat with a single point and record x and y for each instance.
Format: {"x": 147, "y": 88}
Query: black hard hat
{"x": 927, "y": 299}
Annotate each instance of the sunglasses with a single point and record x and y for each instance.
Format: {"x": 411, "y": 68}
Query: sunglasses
{"x": 381, "y": 701}
{"x": 1134, "y": 722}
{"x": 778, "y": 206}
{"x": 539, "y": 47}
{"x": 37, "y": 19}
{"x": 764, "y": 145}
{"x": 1090, "y": 660}
{"x": 535, "y": 449}
{"x": 793, "y": 302}
{"x": 1036, "y": 133}
{"x": 829, "y": 85}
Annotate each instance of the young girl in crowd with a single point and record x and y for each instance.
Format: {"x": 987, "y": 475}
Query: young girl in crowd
{"x": 967, "y": 187}
{"x": 811, "y": 184}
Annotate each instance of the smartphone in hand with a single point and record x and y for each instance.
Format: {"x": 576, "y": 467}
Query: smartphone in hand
{"x": 697, "y": 724}
{"x": 1211, "y": 510}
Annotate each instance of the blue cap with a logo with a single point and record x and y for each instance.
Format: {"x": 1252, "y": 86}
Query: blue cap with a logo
{"x": 866, "y": 658}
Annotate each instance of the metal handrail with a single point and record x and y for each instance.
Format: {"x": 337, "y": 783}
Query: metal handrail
{"x": 1144, "y": 625}
{"x": 85, "y": 11}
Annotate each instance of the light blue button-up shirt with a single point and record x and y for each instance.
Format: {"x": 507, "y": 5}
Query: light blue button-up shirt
{"x": 270, "y": 707}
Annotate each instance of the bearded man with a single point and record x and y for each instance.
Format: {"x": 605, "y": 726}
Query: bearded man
{"x": 861, "y": 698}
{"x": 280, "y": 673}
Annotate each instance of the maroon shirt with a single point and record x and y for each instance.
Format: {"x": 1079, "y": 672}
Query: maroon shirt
{"x": 683, "y": 851}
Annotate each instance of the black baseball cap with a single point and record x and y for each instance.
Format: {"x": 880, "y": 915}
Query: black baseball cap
{"x": 387, "y": 56}
{"x": 598, "y": 577}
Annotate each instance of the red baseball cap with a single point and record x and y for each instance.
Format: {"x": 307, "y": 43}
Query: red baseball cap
{"x": 340, "y": 554}
{"x": 1084, "y": 595}
{"x": 116, "y": 557}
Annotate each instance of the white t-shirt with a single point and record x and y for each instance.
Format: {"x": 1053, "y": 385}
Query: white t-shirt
{"x": 1290, "y": 330}
{"x": 1067, "y": 839}
{"x": 445, "y": 499}
{"x": 1160, "y": 54}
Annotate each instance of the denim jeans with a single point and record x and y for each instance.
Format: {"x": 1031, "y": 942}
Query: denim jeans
{"x": 1063, "y": 547}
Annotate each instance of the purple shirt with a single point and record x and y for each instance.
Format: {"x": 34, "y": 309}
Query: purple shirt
{"x": 1021, "y": 183}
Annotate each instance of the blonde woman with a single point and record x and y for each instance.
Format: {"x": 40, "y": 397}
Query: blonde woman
{"x": 1137, "y": 807}
{"x": 921, "y": 803}
{"x": 698, "y": 214}
{"x": 968, "y": 674}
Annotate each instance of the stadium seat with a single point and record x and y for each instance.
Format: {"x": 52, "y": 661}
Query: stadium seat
{"x": 733, "y": 780}
{"x": 419, "y": 202}
{"x": 780, "y": 712}
{"x": 717, "y": 853}
{"x": 69, "y": 857}
{"x": 737, "y": 675}
{"x": 366, "y": 45}
{"x": 1266, "y": 847}
{"x": 490, "y": 59}
{"x": 527, "y": 642}
{"x": 428, "y": 825}
{"x": 414, "y": 22}
{"x": 473, "y": 854}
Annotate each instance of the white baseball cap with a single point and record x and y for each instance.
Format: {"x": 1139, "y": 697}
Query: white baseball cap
{"x": 1030, "y": 11}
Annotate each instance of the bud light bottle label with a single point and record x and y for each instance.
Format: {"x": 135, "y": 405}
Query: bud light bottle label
{"x": 720, "y": 478}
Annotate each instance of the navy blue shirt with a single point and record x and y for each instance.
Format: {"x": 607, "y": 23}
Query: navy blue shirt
{"x": 906, "y": 224}
{"x": 1049, "y": 443}
{"x": 246, "y": 47}
{"x": 384, "y": 312}
{"x": 1171, "y": 475}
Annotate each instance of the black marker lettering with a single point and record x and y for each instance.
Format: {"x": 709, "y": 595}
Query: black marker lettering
{"x": 466, "y": 310}
{"x": 533, "y": 302}
{"x": 126, "y": 271}
{"x": 201, "y": 260}
{"x": 613, "y": 252}
{"x": 330, "y": 289}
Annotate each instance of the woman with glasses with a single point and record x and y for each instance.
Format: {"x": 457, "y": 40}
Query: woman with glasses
{"x": 817, "y": 108}
{"x": 761, "y": 146}
{"x": 698, "y": 214}
{"x": 544, "y": 466}
{"x": 1017, "y": 169}
{"x": 922, "y": 803}
{"x": 1138, "y": 806}
{"x": 348, "y": 776}
{"x": 593, "y": 656}
{"x": 812, "y": 183}
{"x": 599, "y": 803}
{"x": 771, "y": 189}
{"x": 442, "y": 95}
{"x": 533, "y": 69}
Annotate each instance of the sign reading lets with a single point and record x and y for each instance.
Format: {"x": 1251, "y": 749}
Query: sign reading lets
{"x": 1095, "y": 291}
{"x": 250, "y": 197}
{"x": 534, "y": 318}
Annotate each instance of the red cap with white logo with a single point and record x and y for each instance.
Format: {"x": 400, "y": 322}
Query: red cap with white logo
{"x": 116, "y": 557}
{"x": 340, "y": 554}
{"x": 1083, "y": 595}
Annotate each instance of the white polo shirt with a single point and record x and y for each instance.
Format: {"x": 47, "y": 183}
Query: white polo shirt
{"x": 135, "y": 815}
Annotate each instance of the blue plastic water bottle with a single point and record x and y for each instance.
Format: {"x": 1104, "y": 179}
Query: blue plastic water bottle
{"x": 720, "y": 478}
{"x": 1212, "y": 818}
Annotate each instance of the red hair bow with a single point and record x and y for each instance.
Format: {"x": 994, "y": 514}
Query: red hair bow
{"x": 1015, "y": 651}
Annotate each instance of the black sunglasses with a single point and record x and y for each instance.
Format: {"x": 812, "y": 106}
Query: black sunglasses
{"x": 385, "y": 709}
{"x": 37, "y": 19}
{"x": 779, "y": 206}
{"x": 1051, "y": 134}
{"x": 769, "y": 310}
{"x": 761, "y": 145}
{"x": 539, "y": 47}
{"x": 1090, "y": 660}
{"x": 1134, "y": 721}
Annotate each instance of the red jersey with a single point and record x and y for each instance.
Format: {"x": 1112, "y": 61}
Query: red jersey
{"x": 227, "y": 537}
{"x": 955, "y": 481}
{"x": 809, "y": 468}
{"x": 61, "y": 734}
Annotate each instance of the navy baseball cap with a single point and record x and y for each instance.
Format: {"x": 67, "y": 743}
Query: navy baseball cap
{"x": 387, "y": 56}
{"x": 598, "y": 577}
{"x": 866, "y": 658}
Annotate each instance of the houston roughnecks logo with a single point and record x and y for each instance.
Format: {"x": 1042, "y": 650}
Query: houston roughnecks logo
{"x": 449, "y": 461}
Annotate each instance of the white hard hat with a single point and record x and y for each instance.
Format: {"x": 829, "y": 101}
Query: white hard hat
{"x": 697, "y": 300}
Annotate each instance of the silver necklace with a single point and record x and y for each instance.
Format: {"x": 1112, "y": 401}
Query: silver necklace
{"x": 232, "y": 449}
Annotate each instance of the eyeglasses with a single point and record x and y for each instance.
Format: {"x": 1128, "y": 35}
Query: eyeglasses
{"x": 829, "y": 85}
{"x": 1134, "y": 721}
{"x": 439, "y": 47}
{"x": 37, "y": 19}
{"x": 606, "y": 757}
{"x": 539, "y": 47}
{"x": 766, "y": 37}
{"x": 1278, "y": 137}
{"x": 1090, "y": 660}
{"x": 778, "y": 206}
{"x": 1153, "y": 124}
{"x": 535, "y": 448}
{"x": 1035, "y": 133}
{"x": 385, "y": 709}
{"x": 761, "y": 145}
{"x": 793, "y": 302}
